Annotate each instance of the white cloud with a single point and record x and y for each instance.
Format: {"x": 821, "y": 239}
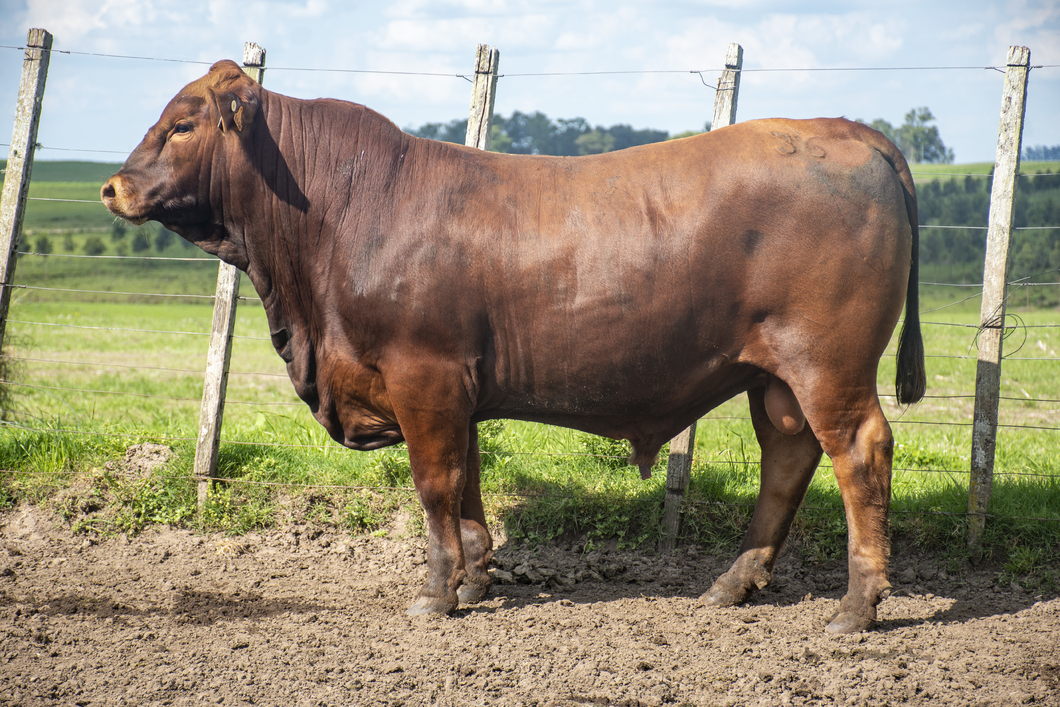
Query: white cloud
{"x": 1032, "y": 24}
{"x": 70, "y": 20}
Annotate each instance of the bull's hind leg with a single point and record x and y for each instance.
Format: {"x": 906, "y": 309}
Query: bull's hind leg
{"x": 788, "y": 463}
{"x": 858, "y": 438}
{"x": 474, "y": 535}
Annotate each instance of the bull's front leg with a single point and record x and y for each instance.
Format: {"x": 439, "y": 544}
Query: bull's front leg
{"x": 475, "y": 536}
{"x": 438, "y": 457}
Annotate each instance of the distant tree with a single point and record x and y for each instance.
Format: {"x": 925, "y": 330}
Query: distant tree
{"x": 918, "y": 141}
{"x": 626, "y": 136}
{"x": 117, "y": 231}
{"x": 594, "y": 142}
{"x": 94, "y": 246}
{"x": 530, "y": 132}
{"x": 1041, "y": 153}
{"x": 537, "y": 134}
{"x": 564, "y": 139}
{"x": 499, "y": 140}
{"x": 68, "y": 243}
{"x": 141, "y": 242}
{"x": 163, "y": 238}
{"x": 453, "y": 131}
{"x": 884, "y": 127}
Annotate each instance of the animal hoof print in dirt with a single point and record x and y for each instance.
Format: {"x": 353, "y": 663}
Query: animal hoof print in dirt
{"x": 425, "y": 606}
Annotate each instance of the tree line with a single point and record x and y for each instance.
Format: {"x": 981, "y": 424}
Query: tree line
{"x": 141, "y": 241}
{"x": 537, "y": 134}
{"x": 1035, "y": 252}
{"x": 1041, "y": 153}
{"x": 918, "y": 140}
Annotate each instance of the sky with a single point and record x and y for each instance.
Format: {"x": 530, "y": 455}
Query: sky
{"x": 642, "y": 63}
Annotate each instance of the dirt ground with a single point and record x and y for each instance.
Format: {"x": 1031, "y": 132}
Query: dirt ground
{"x": 300, "y": 617}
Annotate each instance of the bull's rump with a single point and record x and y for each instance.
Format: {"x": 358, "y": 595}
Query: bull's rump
{"x": 650, "y": 281}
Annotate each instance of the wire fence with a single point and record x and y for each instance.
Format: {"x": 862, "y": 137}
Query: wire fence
{"x": 1024, "y": 415}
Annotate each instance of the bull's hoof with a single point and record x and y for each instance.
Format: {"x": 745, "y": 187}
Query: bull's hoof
{"x": 723, "y": 594}
{"x": 432, "y": 605}
{"x": 849, "y": 622}
{"x": 471, "y": 593}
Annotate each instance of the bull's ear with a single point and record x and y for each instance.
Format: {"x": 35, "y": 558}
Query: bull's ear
{"x": 235, "y": 110}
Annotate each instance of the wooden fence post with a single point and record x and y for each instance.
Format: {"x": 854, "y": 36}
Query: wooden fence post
{"x": 20, "y": 161}
{"x": 218, "y": 357}
{"x": 483, "y": 93}
{"x": 992, "y": 312}
{"x": 683, "y": 446}
{"x": 728, "y": 88}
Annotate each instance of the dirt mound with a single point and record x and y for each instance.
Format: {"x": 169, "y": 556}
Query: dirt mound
{"x": 142, "y": 459}
{"x": 293, "y": 617}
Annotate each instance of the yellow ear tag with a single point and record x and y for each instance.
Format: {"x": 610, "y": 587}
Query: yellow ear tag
{"x": 234, "y": 105}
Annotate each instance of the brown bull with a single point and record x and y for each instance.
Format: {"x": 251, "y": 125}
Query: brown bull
{"x": 415, "y": 288}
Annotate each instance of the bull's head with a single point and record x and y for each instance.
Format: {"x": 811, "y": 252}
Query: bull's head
{"x": 169, "y": 177}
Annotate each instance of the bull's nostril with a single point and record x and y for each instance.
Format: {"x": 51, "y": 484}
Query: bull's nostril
{"x": 107, "y": 192}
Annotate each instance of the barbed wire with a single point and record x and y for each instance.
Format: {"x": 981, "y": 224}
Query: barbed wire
{"x": 1011, "y": 326}
{"x": 986, "y": 228}
{"x": 987, "y": 174}
{"x": 883, "y": 393}
{"x": 531, "y": 74}
{"x": 68, "y": 201}
{"x": 76, "y": 149}
{"x": 113, "y": 292}
{"x": 71, "y": 52}
{"x": 241, "y": 298}
{"x": 197, "y": 371}
{"x": 212, "y": 260}
{"x": 134, "y": 330}
{"x": 228, "y": 401}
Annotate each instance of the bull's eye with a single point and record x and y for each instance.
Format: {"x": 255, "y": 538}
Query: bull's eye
{"x": 182, "y": 128}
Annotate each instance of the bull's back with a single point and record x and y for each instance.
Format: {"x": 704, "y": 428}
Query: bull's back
{"x": 643, "y": 270}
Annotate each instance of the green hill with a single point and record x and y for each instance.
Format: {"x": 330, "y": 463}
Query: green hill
{"x": 49, "y": 171}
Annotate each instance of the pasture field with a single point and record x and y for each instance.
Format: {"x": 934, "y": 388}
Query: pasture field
{"x": 137, "y": 378}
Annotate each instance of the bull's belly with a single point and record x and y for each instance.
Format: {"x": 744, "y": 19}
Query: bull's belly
{"x": 647, "y": 409}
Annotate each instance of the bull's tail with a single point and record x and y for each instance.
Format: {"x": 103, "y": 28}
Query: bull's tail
{"x": 910, "y": 382}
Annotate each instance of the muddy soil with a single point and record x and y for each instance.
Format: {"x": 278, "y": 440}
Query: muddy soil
{"x": 303, "y": 617}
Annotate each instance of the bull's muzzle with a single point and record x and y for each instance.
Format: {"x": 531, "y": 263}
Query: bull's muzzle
{"x": 115, "y": 196}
